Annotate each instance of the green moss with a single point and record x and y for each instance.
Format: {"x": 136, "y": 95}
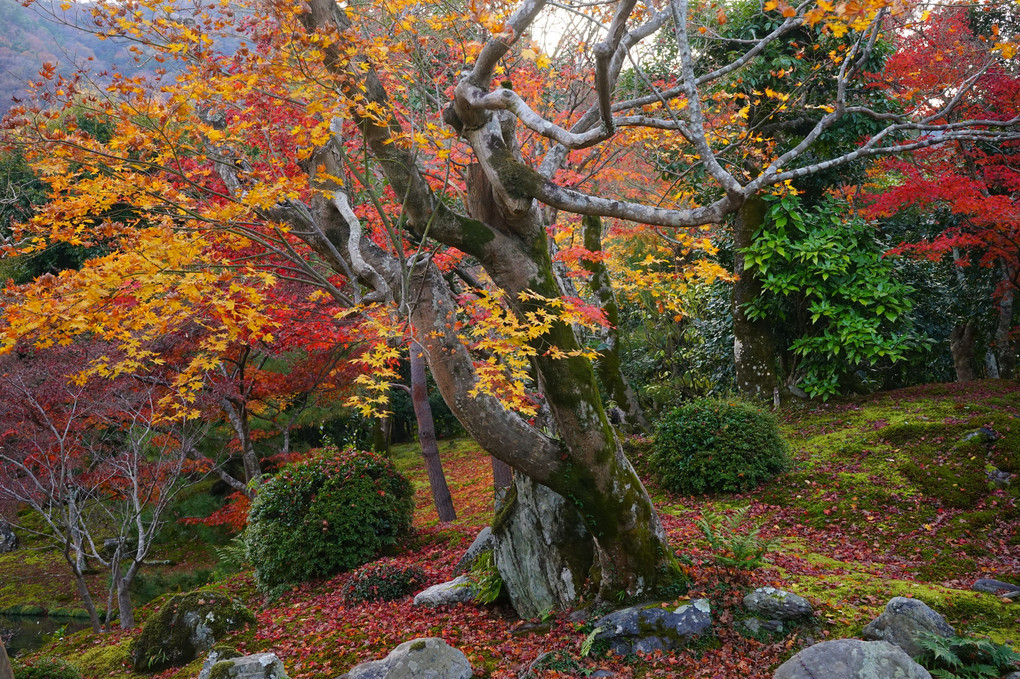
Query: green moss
{"x": 418, "y": 646}
{"x": 23, "y": 610}
{"x": 166, "y": 640}
{"x": 102, "y": 661}
{"x": 221, "y": 670}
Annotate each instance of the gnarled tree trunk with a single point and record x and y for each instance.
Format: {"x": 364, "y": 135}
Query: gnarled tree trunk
{"x": 961, "y": 343}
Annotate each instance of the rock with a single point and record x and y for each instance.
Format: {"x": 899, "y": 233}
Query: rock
{"x": 983, "y": 435}
{"x": 429, "y": 658}
{"x": 187, "y": 625}
{"x": 542, "y": 549}
{"x": 851, "y": 659}
{"x": 756, "y": 625}
{"x": 776, "y": 604}
{"x": 8, "y": 539}
{"x": 1012, "y": 675}
{"x": 653, "y": 628}
{"x": 998, "y": 477}
{"x": 996, "y": 587}
{"x": 456, "y": 591}
{"x": 215, "y": 656}
{"x": 258, "y": 666}
{"x": 482, "y": 543}
{"x": 903, "y": 621}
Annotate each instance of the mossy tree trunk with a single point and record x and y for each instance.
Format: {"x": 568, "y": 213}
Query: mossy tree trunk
{"x": 608, "y": 366}
{"x": 961, "y": 344}
{"x": 754, "y": 344}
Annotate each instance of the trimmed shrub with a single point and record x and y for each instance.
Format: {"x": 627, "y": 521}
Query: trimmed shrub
{"x": 45, "y": 668}
{"x": 325, "y": 515}
{"x": 717, "y": 446}
{"x": 384, "y": 582}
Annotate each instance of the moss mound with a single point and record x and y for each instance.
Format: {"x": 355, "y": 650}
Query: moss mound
{"x": 188, "y": 624}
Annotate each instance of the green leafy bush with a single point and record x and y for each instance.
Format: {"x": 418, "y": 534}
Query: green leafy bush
{"x": 45, "y": 668}
{"x": 384, "y": 582}
{"x": 963, "y": 658}
{"x": 329, "y": 514}
{"x": 717, "y": 446}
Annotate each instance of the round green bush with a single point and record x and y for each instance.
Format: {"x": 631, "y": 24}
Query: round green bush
{"x": 45, "y": 668}
{"x": 325, "y": 515}
{"x": 708, "y": 446}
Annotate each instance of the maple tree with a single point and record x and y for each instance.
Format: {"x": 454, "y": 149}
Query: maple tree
{"x": 971, "y": 189}
{"x": 314, "y": 150}
{"x": 93, "y": 464}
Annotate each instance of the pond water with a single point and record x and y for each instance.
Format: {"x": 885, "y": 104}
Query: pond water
{"x": 23, "y": 633}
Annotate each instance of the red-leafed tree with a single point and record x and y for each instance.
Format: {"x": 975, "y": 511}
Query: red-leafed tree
{"x": 94, "y": 461}
{"x": 973, "y": 186}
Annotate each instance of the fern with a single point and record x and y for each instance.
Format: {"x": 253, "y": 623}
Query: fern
{"x": 963, "y": 658}
{"x": 733, "y": 547}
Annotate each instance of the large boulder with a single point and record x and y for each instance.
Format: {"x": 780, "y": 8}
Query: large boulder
{"x": 904, "y": 621}
{"x": 653, "y": 628}
{"x": 257, "y": 666}
{"x": 482, "y": 543}
{"x": 429, "y": 658}
{"x": 186, "y": 626}
{"x": 541, "y": 548}
{"x": 851, "y": 659}
{"x": 775, "y": 604}
{"x": 456, "y": 591}
{"x": 8, "y": 539}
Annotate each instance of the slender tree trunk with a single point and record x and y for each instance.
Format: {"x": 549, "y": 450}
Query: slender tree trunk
{"x": 86, "y": 596}
{"x": 754, "y": 344}
{"x": 5, "y": 664}
{"x": 380, "y": 436}
{"x": 608, "y": 365}
{"x": 961, "y": 343}
{"x": 427, "y": 436}
{"x": 1005, "y": 352}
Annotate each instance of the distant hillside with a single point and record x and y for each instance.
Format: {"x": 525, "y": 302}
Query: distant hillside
{"x": 30, "y": 38}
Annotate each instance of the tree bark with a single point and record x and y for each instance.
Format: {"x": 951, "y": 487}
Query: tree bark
{"x": 427, "y": 436}
{"x": 961, "y": 343}
{"x": 5, "y": 664}
{"x": 608, "y": 365}
{"x": 754, "y": 344}
{"x": 502, "y": 478}
{"x": 1005, "y": 352}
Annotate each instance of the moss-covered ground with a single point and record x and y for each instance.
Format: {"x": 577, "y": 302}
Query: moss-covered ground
{"x": 882, "y": 499}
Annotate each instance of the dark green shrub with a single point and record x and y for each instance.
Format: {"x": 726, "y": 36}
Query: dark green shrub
{"x": 325, "y": 515}
{"x": 384, "y": 582}
{"x": 45, "y": 668}
{"x": 717, "y": 446}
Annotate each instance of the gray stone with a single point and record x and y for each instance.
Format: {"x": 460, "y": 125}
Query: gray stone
{"x": 8, "y": 538}
{"x": 653, "y": 628}
{"x": 776, "y": 604}
{"x": 999, "y": 477}
{"x": 541, "y": 548}
{"x": 982, "y": 435}
{"x": 996, "y": 587}
{"x": 905, "y": 620}
{"x": 257, "y": 666}
{"x": 1012, "y": 675}
{"x": 430, "y": 658}
{"x": 756, "y": 625}
{"x": 851, "y": 659}
{"x": 482, "y": 543}
{"x": 456, "y": 591}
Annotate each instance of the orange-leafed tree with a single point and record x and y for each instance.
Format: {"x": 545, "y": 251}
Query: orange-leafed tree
{"x": 394, "y": 154}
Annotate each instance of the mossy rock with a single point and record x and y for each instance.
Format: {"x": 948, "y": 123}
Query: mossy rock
{"x": 188, "y": 624}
